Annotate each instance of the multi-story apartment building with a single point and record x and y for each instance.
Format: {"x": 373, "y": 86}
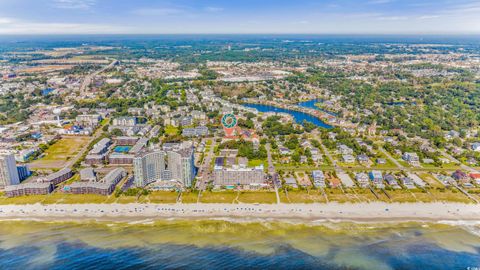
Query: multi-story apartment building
{"x": 8, "y": 171}
{"x": 176, "y": 163}
{"x": 148, "y": 167}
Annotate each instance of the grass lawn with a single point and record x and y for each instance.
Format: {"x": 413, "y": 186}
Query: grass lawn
{"x": 448, "y": 195}
{"x": 189, "y": 197}
{"x": 302, "y": 196}
{"x": 218, "y": 196}
{"x": 161, "y": 197}
{"x": 336, "y": 195}
{"x": 256, "y": 162}
{"x": 428, "y": 178}
{"x": 60, "y": 152}
{"x": 257, "y": 197}
{"x": 171, "y": 130}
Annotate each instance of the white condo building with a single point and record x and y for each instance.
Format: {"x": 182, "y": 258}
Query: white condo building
{"x": 175, "y": 164}
{"x": 8, "y": 171}
{"x": 148, "y": 168}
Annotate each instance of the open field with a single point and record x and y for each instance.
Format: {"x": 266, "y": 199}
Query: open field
{"x": 171, "y": 130}
{"x": 257, "y": 197}
{"x": 60, "y": 152}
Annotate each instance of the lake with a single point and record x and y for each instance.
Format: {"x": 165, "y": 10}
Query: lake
{"x": 298, "y": 116}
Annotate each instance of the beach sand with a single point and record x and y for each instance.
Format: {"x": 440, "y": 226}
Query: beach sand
{"x": 363, "y": 212}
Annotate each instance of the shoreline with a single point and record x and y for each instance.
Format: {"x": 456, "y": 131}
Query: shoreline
{"x": 298, "y": 213}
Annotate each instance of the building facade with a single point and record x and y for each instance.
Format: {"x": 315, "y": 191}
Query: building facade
{"x": 148, "y": 168}
{"x": 8, "y": 171}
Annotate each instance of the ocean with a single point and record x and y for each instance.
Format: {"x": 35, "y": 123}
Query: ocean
{"x": 234, "y": 244}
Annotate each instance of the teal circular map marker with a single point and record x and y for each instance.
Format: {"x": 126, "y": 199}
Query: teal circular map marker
{"x": 229, "y": 120}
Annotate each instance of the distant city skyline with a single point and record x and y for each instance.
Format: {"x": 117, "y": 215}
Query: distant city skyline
{"x": 239, "y": 17}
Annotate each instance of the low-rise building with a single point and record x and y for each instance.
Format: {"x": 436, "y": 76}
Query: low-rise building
{"x": 57, "y": 177}
{"x": 195, "y": 132}
{"x": 121, "y": 159}
{"x": 106, "y": 186}
{"x": 87, "y": 175}
{"x": 237, "y": 175}
{"x": 28, "y": 189}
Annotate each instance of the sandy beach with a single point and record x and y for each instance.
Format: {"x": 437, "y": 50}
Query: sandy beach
{"x": 333, "y": 211}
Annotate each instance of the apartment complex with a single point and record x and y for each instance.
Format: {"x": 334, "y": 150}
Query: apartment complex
{"x": 106, "y": 186}
{"x": 238, "y": 175}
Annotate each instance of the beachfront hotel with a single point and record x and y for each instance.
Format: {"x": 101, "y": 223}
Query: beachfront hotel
{"x": 175, "y": 163}
{"x": 8, "y": 171}
{"x": 238, "y": 175}
{"x": 148, "y": 167}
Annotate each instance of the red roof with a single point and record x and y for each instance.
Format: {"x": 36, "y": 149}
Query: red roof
{"x": 475, "y": 175}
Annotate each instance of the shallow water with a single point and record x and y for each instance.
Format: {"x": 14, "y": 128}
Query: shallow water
{"x": 228, "y": 244}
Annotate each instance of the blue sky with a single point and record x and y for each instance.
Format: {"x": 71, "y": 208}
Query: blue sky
{"x": 239, "y": 16}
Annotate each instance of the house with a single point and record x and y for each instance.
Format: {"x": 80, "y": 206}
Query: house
{"x": 476, "y": 147}
{"x": 446, "y": 180}
{"x": 407, "y": 182}
{"x": 428, "y": 161}
{"x": 475, "y": 177}
{"x": 392, "y": 181}
{"x": 377, "y": 178}
{"x": 362, "y": 179}
{"x": 460, "y": 176}
{"x": 344, "y": 150}
{"x": 381, "y": 161}
{"x": 318, "y": 178}
{"x": 348, "y": 159}
{"x": 416, "y": 179}
{"x": 362, "y": 158}
{"x": 284, "y": 151}
{"x": 411, "y": 158}
{"x": 290, "y": 181}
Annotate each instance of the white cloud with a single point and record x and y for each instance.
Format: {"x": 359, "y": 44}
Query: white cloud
{"x": 159, "y": 11}
{"x": 5, "y": 20}
{"x": 429, "y": 17}
{"x": 74, "y": 4}
{"x": 393, "y": 18}
{"x": 213, "y": 9}
{"x": 8, "y": 26}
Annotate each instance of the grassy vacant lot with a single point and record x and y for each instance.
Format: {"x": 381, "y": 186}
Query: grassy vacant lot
{"x": 161, "y": 197}
{"x": 257, "y": 197}
{"x": 218, "y": 196}
{"x": 301, "y": 196}
{"x": 257, "y": 162}
{"x": 60, "y": 152}
{"x": 171, "y": 130}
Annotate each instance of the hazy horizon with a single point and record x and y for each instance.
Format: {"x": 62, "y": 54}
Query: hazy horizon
{"x": 341, "y": 17}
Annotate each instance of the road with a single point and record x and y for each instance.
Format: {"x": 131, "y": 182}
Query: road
{"x": 271, "y": 171}
{"x": 88, "y": 79}
{"x": 205, "y": 172}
